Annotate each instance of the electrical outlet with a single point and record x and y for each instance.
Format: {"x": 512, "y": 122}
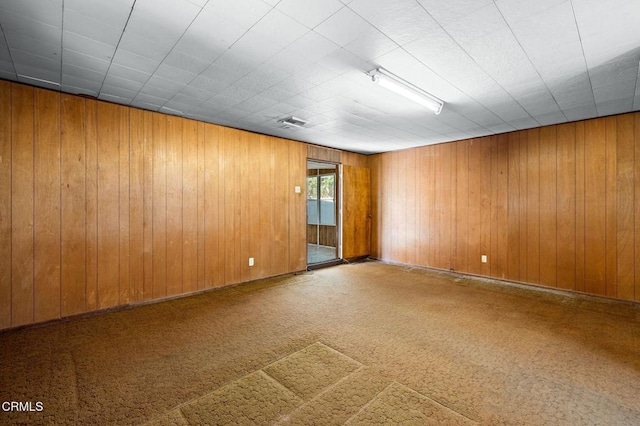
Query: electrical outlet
{"x": 251, "y": 261}
{"x": 297, "y": 189}
{"x": 484, "y": 258}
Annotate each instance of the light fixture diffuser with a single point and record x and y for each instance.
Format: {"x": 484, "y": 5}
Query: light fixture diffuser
{"x": 403, "y": 88}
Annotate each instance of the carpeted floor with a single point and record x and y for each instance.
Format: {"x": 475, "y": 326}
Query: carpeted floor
{"x": 362, "y": 344}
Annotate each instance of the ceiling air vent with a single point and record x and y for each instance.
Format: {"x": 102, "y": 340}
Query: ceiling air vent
{"x": 290, "y": 122}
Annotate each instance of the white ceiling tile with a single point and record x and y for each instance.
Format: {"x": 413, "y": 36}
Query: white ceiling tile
{"x": 118, "y": 91}
{"x": 30, "y": 74}
{"x": 371, "y": 45}
{"x": 255, "y": 104}
{"x": 166, "y": 32}
{"x": 122, "y": 83}
{"x": 171, "y": 15}
{"x": 221, "y": 75}
{"x": 254, "y": 48}
{"x": 448, "y": 11}
{"x": 276, "y": 93}
{"x": 87, "y": 46}
{"x": 35, "y": 47}
{"x": 23, "y": 25}
{"x": 343, "y": 27}
{"x": 310, "y": 12}
{"x": 202, "y": 82}
{"x": 243, "y": 13}
{"x": 238, "y": 65}
{"x": 72, "y": 57}
{"x": 25, "y": 58}
{"x": 401, "y": 20}
{"x": 170, "y": 86}
{"x": 77, "y": 81}
{"x": 288, "y": 61}
{"x": 515, "y": 10}
{"x": 134, "y": 61}
{"x": 279, "y": 28}
{"x": 83, "y": 73}
{"x": 116, "y": 70}
{"x": 91, "y": 28}
{"x": 475, "y": 25}
{"x": 143, "y": 47}
{"x": 45, "y": 11}
{"x": 175, "y": 74}
{"x": 186, "y": 62}
{"x": 313, "y": 46}
{"x": 608, "y": 28}
{"x": 113, "y": 12}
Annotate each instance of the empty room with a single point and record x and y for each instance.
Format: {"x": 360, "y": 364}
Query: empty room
{"x": 319, "y": 212}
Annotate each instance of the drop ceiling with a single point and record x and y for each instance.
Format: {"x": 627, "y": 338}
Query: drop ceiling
{"x": 499, "y": 65}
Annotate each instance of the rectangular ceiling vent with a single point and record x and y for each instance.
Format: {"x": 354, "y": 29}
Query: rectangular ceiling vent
{"x": 290, "y": 122}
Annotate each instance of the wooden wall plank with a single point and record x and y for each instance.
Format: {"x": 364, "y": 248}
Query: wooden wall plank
{"x": 5, "y": 203}
{"x": 611, "y": 232}
{"x": 228, "y": 167}
{"x": 475, "y": 206}
{"x": 423, "y": 167}
{"x": 411, "y": 199}
{"x": 280, "y": 214}
{"x": 201, "y": 204}
{"x": 566, "y": 206}
{"x": 513, "y": 207}
{"x": 159, "y": 197}
{"x": 91, "y": 138}
{"x": 522, "y": 206}
{"x": 265, "y": 152}
{"x": 298, "y": 206}
{"x": 548, "y": 206}
{"x": 376, "y": 206}
{"x": 501, "y": 222}
{"x": 108, "y": 205}
{"x": 533, "y": 206}
{"x": 637, "y": 204}
{"x": 212, "y": 208}
{"x": 148, "y": 205}
{"x": 580, "y": 206}
{"x": 136, "y": 205}
{"x": 190, "y": 206}
{"x": 243, "y": 248}
{"x": 124, "y": 205}
{"x": 485, "y": 204}
{"x": 625, "y": 196}
{"x": 594, "y": 217}
{"x": 22, "y": 208}
{"x": 175, "y": 225}
{"x": 254, "y": 206}
{"x": 462, "y": 207}
{"x": 73, "y": 206}
{"x": 47, "y": 206}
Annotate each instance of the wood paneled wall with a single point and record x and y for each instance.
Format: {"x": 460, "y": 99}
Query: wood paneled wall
{"x": 103, "y": 205}
{"x": 555, "y": 206}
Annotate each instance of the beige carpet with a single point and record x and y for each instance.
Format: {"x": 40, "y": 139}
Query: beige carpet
{"x": 363, "y": 344}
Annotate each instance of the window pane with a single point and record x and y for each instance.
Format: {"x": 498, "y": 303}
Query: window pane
{"x": 312, "y": 188}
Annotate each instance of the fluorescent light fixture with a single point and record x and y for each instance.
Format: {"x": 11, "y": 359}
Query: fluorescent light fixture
{"x": 40, "y": 80}
{"x": 403, "y": 88}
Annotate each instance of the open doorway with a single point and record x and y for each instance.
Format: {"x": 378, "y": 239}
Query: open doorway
{"x": 323, "y": 235}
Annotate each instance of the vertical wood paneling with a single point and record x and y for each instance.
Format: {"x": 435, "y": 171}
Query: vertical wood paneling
{"x": 103, "y": 205}
{"x": 47, "y": 206}
{"x": 201, "y": 198}
{"x": 124, "y": 205}
{"x": 297, "y": 205}
{"x": 5, "y": 204}
{"x": 522, "y": 206}
{"x": 159, "y": 197}
{"x": 566, "y": 206}
{"x": 580, "y": 207}
{"x": 244, "y": 206}
{"x": 424, "y": 168}
{"x": 462, "y": 207}
{"x": 190, "y": 206}
{"x": 513, "y": 207}
{"x": 175, "y": 224}
{"x": 148, "y": 205}
{"x": 212, "y": 206}
{"x": 637, "y": 204}
{"x": 280, "y": 200}
{"x": 595, "y": 196}
{"x": 108, "y": 205}
{"x": 475, "y": 205}
{"x": 91, "y": 137}
{"x": 548, "y": 207}
{"x": 411, "y": 200}
{"x": 136, "y": 205}
{"x": 611, "y": 232}
{"x": 625, "y": 195}
{"x": 501, "y": 222}
{"x": 376, "y": 207}
{"x": 73, "y": 206}
{"x": 22, "y": 205}
{"x": 533, "y": 206}
{"x": 484, "y": 178}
